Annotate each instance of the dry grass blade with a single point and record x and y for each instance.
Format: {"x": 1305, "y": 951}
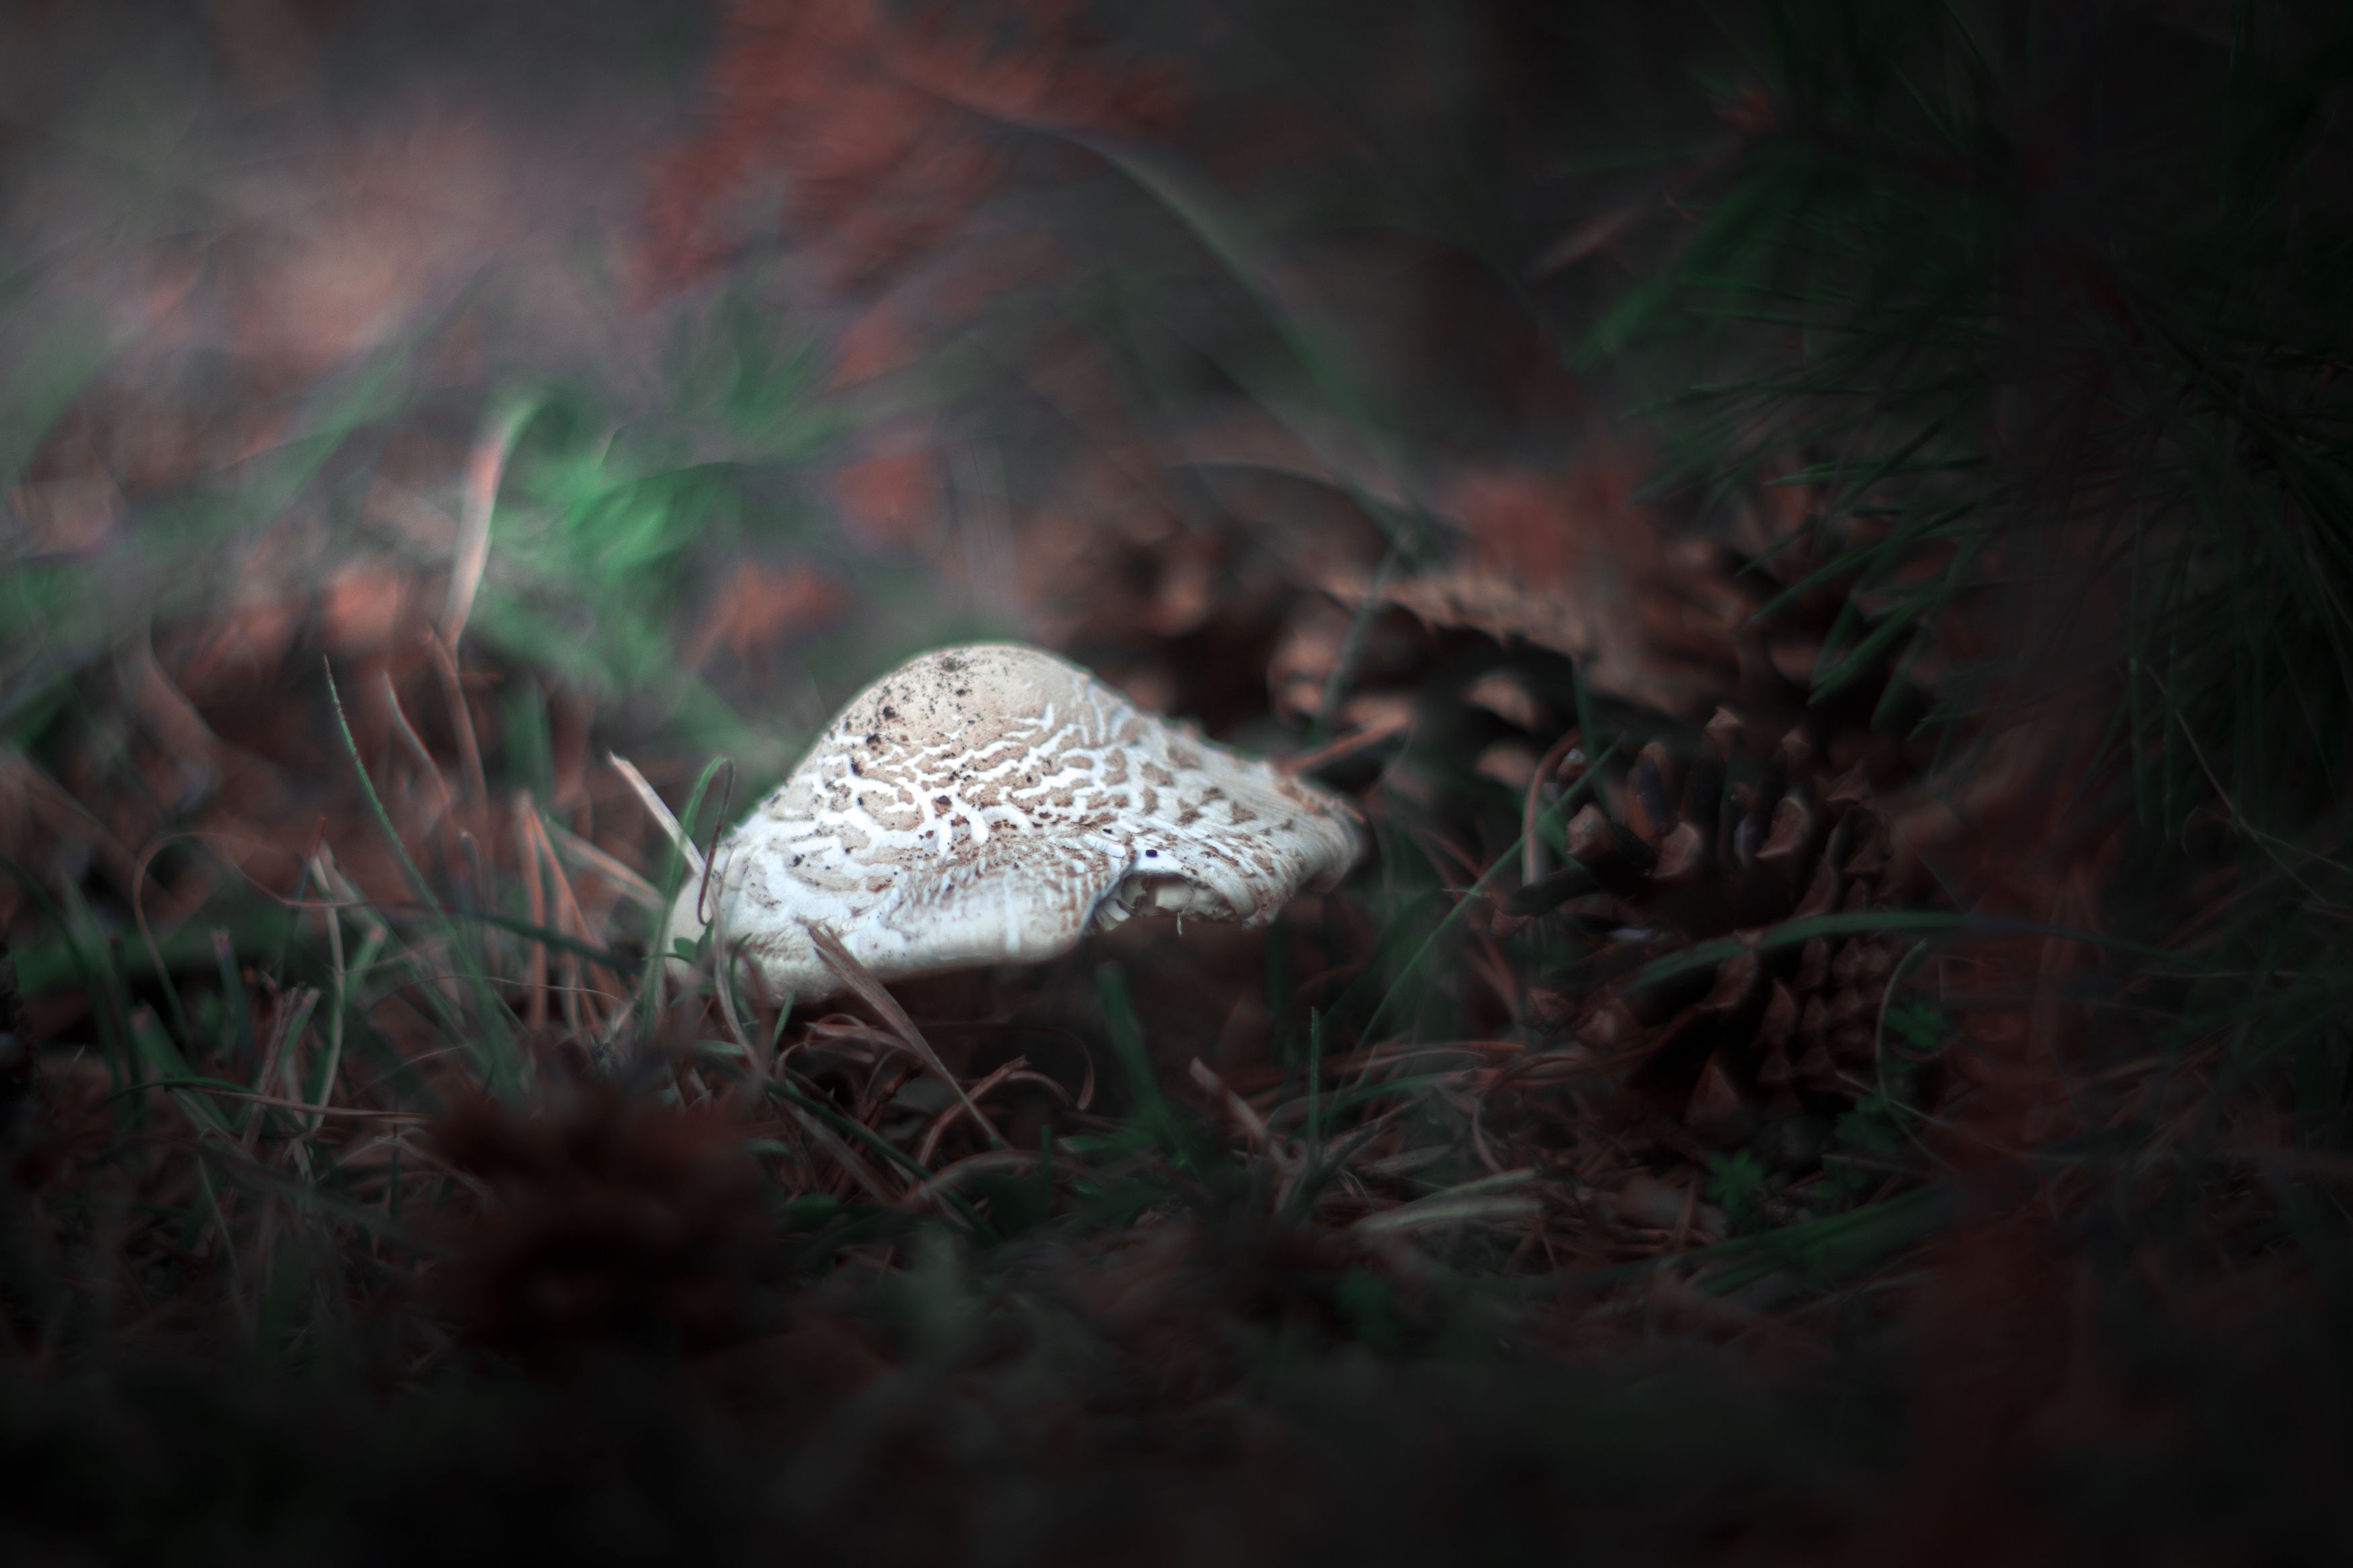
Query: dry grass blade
{"x": 568, "y": 912}
{"x": 461, "y": 720}
{"x": 590, "y": 856}
{"x": 484, "y": 466}
{"x": 290, "y": 1020}
{"x": 1253, "y": 1124}
{"x": 281, "y": 1102}
{"x": 947, "y": 1118}
{"x": 1488, "y": 1199}
{"x": 534, "y": 894}
{"x": 871, "y": 990}
{"x": 980, "y": 1164}
{"x": 663, "y": 817}
{"x": 843, "y": 1154}
{"x": 1348, "y": 745}
{"x": 444, "y": 821}
{"x": 756, "y": 1057}
{"x": 416, "y": 746}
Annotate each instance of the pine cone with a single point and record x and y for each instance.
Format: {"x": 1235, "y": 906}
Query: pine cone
{"x": 1719, "y": 845}
{"x": 1767, "y": 813}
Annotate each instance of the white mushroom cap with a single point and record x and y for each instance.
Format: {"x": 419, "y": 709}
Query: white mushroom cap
{"x": 991, "y": 805}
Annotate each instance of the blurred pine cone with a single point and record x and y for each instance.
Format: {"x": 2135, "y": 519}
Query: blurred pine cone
{"x": 1776, "y": 809}
{"x": 1698, "y": 852}
{"x": 610, "y": 1223}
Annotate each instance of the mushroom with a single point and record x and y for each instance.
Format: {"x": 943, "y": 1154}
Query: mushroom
{"x": 992, "y": 804}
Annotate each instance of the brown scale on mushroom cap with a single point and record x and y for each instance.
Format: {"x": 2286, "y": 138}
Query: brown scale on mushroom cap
{"x": 991, "y": 805}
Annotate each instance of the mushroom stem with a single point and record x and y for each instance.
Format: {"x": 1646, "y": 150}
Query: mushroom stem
{"x": 861, "y": 980}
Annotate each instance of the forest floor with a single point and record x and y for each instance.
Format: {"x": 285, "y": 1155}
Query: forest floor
{"x": 1798, "y": 1075}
